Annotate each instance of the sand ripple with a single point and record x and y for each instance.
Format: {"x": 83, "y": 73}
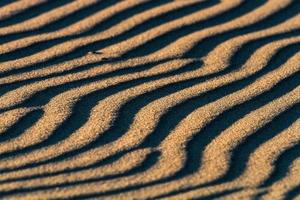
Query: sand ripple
{"x": 164, "y": 99}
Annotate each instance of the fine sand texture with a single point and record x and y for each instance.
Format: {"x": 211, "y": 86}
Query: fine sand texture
{"x": 150, "y": 99}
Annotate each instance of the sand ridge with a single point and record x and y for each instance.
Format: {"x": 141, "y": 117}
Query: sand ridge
{"x": 151, "y": 99}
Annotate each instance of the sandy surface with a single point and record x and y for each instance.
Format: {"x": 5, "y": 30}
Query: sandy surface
{"x": 150, "y": 99}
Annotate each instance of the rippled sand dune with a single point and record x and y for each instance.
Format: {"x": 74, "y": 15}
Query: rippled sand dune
{"x": 150, "y": 99}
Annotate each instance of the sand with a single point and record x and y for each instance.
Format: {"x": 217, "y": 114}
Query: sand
{"x": 151, "y": 99}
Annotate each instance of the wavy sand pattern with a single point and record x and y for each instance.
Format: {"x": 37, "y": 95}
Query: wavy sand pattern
{"x": 150, "y": 99}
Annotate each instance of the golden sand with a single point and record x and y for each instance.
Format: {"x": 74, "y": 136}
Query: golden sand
{"x": 179, "y": 99}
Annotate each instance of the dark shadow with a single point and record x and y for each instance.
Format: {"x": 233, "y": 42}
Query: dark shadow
{"x": 209, "y": 43}
{"x": 92, "y": 47}
{"x": 241, "y": 154}
{"x": 41, "y": 98}
{"x": 11, "y": 86}
{"x": 275, "y": 62}
{"x": 293, "y": 193}
{"x": 82, "y": 108}
{"x": 106, "y": 24}
{"x": 5, "y": 2}
{"x": 60, "y": 23}
{"x": 169, "y": 120}
{"x": 33, "y": 12}
{"x": 194, "y": 147}
{"x": 198, "y": 143}
{"x": 212, "y": 130}
{"x": 22, "y": 124}
{"x": 158, "y": 20}
{"x": 238, "y": 59}
{"x": 283, "y": 163}
{"x": 145, "y": 165}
